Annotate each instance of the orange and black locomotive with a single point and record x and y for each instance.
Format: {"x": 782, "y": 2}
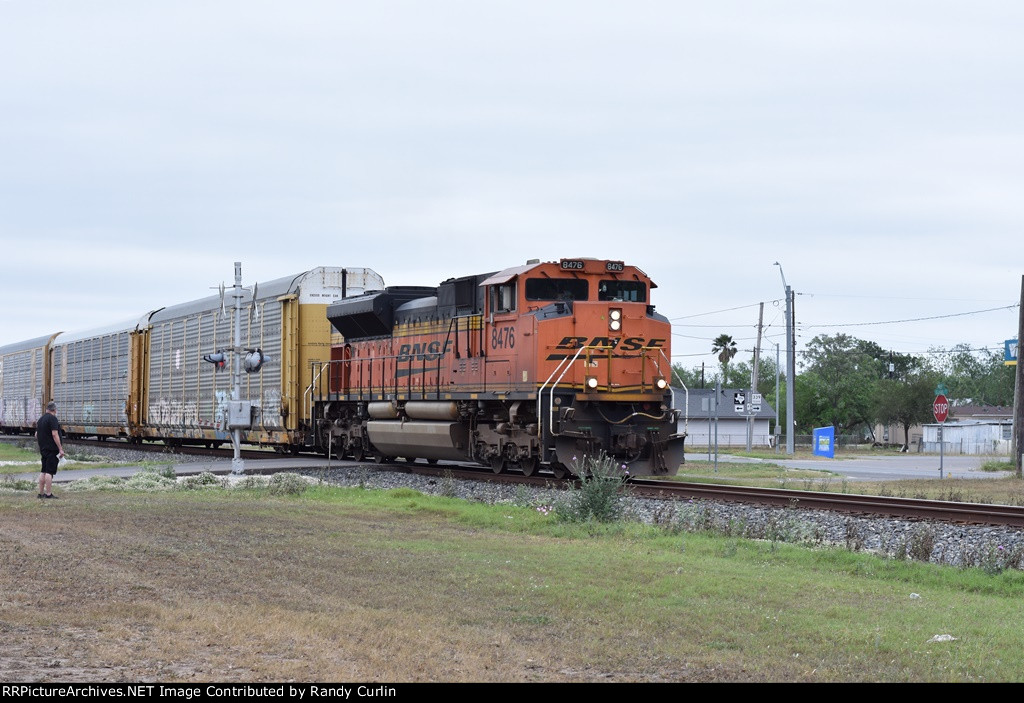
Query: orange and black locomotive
{"x": 532, "y": 367}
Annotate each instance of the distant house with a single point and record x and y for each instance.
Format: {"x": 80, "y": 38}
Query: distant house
{"x": 894, "y": 434}
{"x": 958, "y": 414}
{"x": 980, "y": 413}
{"x": 700, "y": 413}
{"x": 972, "y": 429}
{"x": 969, "y": 437}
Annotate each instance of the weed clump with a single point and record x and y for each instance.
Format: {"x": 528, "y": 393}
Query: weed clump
{"x": 198, "y": 481}
{"x": 287, "y": 484}
{"x": 599, "y": 495}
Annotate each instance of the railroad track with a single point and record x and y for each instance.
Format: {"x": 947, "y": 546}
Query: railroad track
{"x": 904, "y": 508}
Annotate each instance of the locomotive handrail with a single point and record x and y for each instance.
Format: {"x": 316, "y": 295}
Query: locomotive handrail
{"x": 540, "y": 393}
{"x": 551, "y": 394}
{"x": 309, "y": 391}
{"x": 686, "y": 411}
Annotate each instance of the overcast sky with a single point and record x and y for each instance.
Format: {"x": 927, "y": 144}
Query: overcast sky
{"x": 874, "y": 148}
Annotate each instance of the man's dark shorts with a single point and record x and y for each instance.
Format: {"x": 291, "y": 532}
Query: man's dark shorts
{"x": 49, "y": 463}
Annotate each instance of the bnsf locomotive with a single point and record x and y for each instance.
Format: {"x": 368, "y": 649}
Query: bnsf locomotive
{"x": 528, "y": 367}
{"x": 534, "y": 366}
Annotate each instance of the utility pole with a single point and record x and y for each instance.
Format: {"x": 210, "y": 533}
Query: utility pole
{"x": 777, "y": 371}
{"x": 790, "y": 363}
{"x": 753, "y": 377}
{"x": 1018, "y": 390}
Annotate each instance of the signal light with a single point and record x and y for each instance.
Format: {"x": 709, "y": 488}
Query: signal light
{"x": 591, "y": 383}
{"x": 254, "y": 360}
{"x": 661, "y": 383}
{"x": 218, "y": 359}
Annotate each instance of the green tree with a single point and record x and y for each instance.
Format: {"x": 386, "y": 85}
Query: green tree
{"x": 975, "y": 376}
{"x": 725, "y": 348}
{"x": 692, "y": 377}
{"x": 837, "y": 387}
{"x": 906, "y": 401}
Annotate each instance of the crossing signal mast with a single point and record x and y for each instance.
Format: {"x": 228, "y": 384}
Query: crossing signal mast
{"x": 240, "y": 413}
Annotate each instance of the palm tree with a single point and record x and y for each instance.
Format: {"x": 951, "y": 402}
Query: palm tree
{"x": 726, "y": 349}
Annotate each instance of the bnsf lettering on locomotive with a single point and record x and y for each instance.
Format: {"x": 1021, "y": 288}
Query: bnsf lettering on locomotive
{"x": 422, "y": 351}
{"x": 626, "y": 344}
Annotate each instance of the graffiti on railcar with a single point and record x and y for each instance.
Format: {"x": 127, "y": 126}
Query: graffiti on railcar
{"x": 174, "y": 413}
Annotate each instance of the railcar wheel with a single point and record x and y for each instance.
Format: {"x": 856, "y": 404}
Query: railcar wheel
{"x": 359, "y": 454}
{"x": 381, "y": 459}
{"x": 432, "y": 462}
{"x": 498, "y": 464}
{"x": 559, "y": 471}
{"x": 529, "y": 466}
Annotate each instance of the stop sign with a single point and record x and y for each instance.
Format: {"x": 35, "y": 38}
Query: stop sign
{"x": 940, "y": 408}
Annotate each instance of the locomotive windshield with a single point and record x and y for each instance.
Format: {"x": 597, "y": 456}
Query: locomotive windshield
{"x": 556, "y": 289}
{"x": 625, "y": 291}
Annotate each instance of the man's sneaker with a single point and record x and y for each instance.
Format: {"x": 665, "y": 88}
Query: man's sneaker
{"x": 41, "y": 495}
{"x": 50, "y": 496}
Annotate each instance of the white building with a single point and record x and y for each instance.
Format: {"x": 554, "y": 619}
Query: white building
{"x": 992, "y": 437}
{"x": 700, "y": 424}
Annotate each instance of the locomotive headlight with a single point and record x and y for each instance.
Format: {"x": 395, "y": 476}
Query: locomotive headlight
{"x": 660, "y": 383}
{"x": 591, "y": 383}
{"x": 615, "y": 319}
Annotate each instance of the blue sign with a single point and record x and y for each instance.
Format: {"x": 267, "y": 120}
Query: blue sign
{"x": 825, "y": 441}
{"x": 1010, "y": 352}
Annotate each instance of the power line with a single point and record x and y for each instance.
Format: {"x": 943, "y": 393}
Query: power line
{"x": 715, "y": 312}
{"x": 912, "y": 319}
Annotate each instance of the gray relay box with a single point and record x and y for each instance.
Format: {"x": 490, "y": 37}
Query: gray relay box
{"x": 240, "y": 414}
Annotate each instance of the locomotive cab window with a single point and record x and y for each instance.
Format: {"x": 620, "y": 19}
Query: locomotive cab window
{"x": 624, "y": 291}
{"x": 503, "y": 297}
{"x": 556, "y": 289}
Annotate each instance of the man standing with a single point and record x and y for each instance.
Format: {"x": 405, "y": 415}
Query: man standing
{"x": 50, "y": 448}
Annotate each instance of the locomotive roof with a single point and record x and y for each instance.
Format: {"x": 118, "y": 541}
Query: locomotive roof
{"x": 508, "y": 274}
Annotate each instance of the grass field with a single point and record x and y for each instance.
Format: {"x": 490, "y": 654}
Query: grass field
{"x": 359, "y": 585}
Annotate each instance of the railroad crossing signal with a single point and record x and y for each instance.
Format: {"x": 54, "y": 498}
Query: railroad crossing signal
{"x": 254, "y": 360}
{"x": 218, "y": 359}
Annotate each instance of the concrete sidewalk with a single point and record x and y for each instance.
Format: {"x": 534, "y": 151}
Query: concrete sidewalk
{"x": 219, "y": 466}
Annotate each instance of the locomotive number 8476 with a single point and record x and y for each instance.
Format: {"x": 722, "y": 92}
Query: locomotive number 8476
{"x": 532, "y": 367}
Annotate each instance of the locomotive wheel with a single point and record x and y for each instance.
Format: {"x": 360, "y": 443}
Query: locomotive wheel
{"x": 359, "y": 454}
{"x": 529, "y": 466}
{"x": 498, "y": 464}
{"x": 381, "y": 459}
{"x": 432, "y": 462}
{"x": 409, "y": 459}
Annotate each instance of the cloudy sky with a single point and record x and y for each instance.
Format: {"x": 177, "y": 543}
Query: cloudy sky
{"x": 873, "y": 148}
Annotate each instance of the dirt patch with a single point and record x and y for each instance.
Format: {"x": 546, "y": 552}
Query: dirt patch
{"x": 183, "y": 587}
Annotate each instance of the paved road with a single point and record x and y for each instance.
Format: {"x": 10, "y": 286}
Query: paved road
{"x": 882, "y": 468}
{"x": 220, "y": 466}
